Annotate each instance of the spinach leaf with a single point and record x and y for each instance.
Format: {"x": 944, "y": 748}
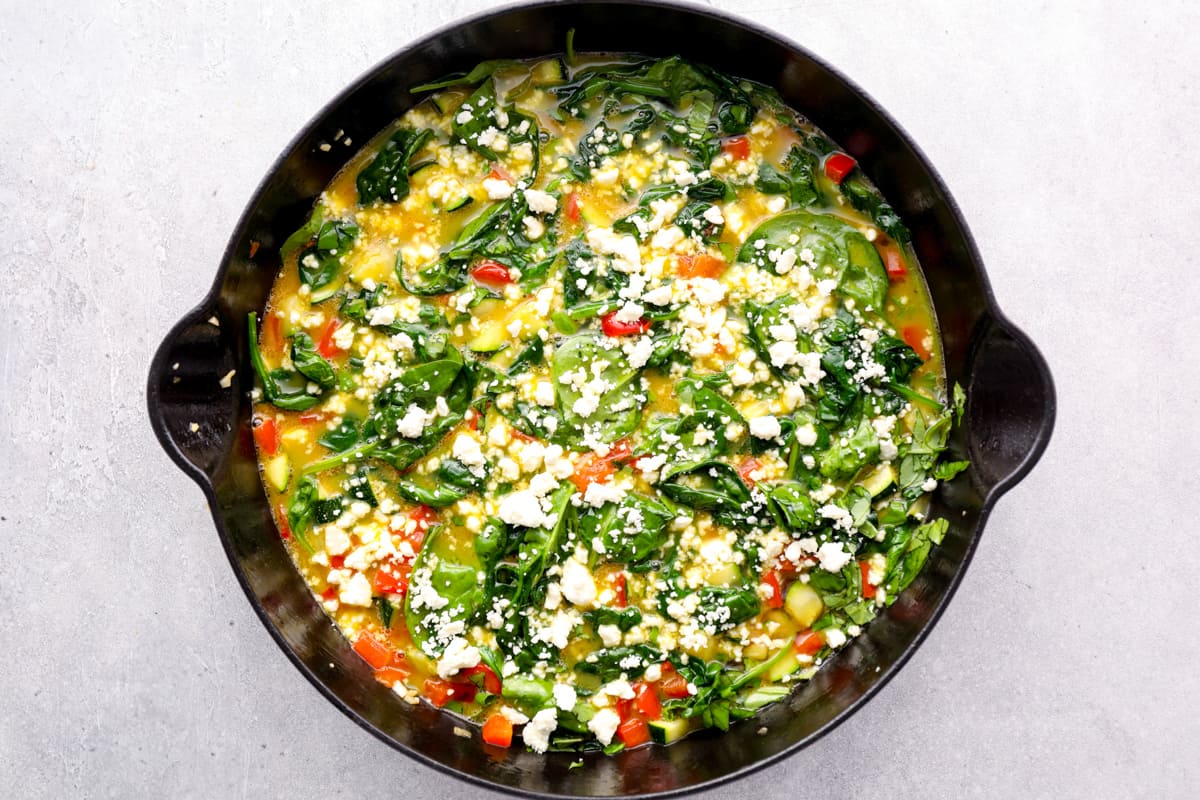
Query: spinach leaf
{"x": 439, "y": 584}
{"x": 850, "y": 451}
{"x": 482, "y": 71}
{"x": 792, "y": 506}
{"x": 280, "y": 387}
{"x": 414, "y": 399}
{"x": 300, "y": 510}
{"x": 481, "y": 121}
{"x": 343, "y": 437}
{"x": 386, "y": 611}
{"x": 610, "y": 662}
{"x": 613, "y": 406}
{"x": 896, "y": 357}
{"x": 864, "y": 279}
{"x": 869, "y": 201}
{"x": 435, "y": 496}
{"x": 309, "y": 362}
{"x": 386, "y": 177}
{"x": 321, "y": 262}
{"x": 716, "y": 487}
{"x": 635, "y": 530}
{"x": 723, "y": 607}
{"x": 795, "y": 180}
{"x": 623, "y": 618}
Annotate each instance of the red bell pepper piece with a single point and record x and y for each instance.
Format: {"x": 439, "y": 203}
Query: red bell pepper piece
{"x": 614, "y": 327}
{"x": 838, "y": 166}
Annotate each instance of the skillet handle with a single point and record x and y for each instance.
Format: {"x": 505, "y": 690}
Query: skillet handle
{"x": 1011, "y": 404}
{"x": 193, "y": 414}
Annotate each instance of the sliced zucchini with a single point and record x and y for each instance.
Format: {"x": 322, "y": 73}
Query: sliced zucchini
{"x": 325, "y": 292}
{"x": 415, "y": 168}
{"x": 784, "y": 666}
{"x": 491, "y": 337}
{"x": 665, "y": 731}
{"x": 445, "y": 102}
{"x": 550, "y": 71}
{"x": 803, "y": 604}
{"x": 879, "y": 480}
{"x": 278, "y": 472}
{"x": 461, "y": 202}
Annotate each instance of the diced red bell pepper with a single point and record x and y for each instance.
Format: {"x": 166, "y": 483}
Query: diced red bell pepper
{"x": 326, "y": 346}
{"x": 491, "y": 272}
{"x": 391, "y": 675}
{"x": 285, "y": 530}
{"x": 914, "y": 336}
{"x": 571, "y": 207}
{"x": 620, "y": 594}
{"x": 747, "y": 467}
{"x": 838, "y": 166}
{"x": 771, "y": 580}
{"x": 373, "y": 651}
{"x": 490, "y": 680}
{"x": 619, "y": 452}
{"x": 633, "y": 732}
{"x": 498, "y": 730}
{"x": 808, "y": 643}
{"x": 736, "y": 147}
{"x": 440, "y": 692}
{"x": 500, "y": 173}
{"x": 337, "y": 562}
{"x": 614, "y": 327}
{"x": 893, "y": 262}
{"x": 645, "y": 700}
{"x": 702, "y": 265}
{"x": 266, "y": 434}
{"x": 868, "y": 588}
{"x": 674, "y": 685}
{"x": 591, "y": 469}
{"x": 392, "y": 577}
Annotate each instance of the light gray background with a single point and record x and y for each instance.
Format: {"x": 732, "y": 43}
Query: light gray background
{"x": 131, "y": 135}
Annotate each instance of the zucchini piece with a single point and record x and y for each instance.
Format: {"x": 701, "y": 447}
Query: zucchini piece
{"x": 879, "y": 480}
{"x": 415, "y": 168}
{"x": 803, "y": 604}
{"x": 784, "y": 666}
{"x": 445, "y": 102}
{"x": 665, "y": 731}
{"x": 550, "y": 71}
{"x": 462, "y": 202}
{"x": 278, "y": 472}
{"x": 325, "y": 292}
{"x": 491, "y": 338}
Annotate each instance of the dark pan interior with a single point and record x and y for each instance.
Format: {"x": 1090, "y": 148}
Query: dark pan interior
{"x": 1010, "y": 408}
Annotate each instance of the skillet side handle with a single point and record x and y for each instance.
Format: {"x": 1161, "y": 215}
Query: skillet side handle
{"x": 194, "y": 390}
{"x": 1011, "y": 405}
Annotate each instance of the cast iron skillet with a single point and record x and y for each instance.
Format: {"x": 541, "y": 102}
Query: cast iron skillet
{"x": 1010, "y": 394}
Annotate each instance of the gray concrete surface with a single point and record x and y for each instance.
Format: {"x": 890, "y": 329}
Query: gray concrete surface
{"x": 131, "y": 135}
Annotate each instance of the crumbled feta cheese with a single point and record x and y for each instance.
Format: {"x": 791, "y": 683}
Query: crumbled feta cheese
{"x": 540, "y": 202}
{"x": 537, "y": 733}
{"x": 604, "y": 725}
{"x": 833, "y": 556}
{"x": 497, "y": 189}
{"x": 356, "y": 591}
{"x": 765, "y": 427}
{"x": 564, "y": 696}
{"x": 458, "y": 656}
{"x": 610, "y": 635}
{"x": 577, "y": 584}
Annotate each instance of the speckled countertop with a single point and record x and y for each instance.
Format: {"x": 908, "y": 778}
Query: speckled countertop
{"x": 133, "y": 133}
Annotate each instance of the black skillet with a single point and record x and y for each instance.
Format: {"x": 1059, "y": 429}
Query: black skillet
{"x": 1010, "y": 394}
